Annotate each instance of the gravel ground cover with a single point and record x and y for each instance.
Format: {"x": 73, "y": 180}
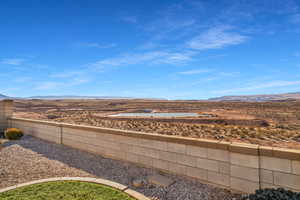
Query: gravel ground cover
{"x": 31, "y": 159}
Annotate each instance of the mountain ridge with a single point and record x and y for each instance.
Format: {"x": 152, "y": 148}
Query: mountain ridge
{"x": 259, "y": 97}
{"x": 2, "y": 96}
{"x": 245, "y": 98}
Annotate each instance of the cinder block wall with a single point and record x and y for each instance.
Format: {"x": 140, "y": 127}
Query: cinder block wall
{"x": 6, "y": 111}
{"x": 239, "y": 167}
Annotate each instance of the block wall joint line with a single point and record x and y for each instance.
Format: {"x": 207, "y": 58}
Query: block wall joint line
{"x": 61, "y": 133}
{"x": 259, "y": 169}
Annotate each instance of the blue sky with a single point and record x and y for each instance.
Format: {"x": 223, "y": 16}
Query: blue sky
{"x": 175, "y": 49}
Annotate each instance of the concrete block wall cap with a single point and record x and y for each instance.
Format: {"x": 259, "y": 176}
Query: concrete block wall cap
{"x": 36, "y": 121}
{"x": 105, "y": 182}
{"x": 223, "y": 145}
{"x": 244, "y": 148}
{"x": 291, "y": 154}
{"x": 266, "y": 151}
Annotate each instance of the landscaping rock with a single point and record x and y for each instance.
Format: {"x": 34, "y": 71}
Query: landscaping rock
{"x": 160, "y": 180}
{"x": 138, "y": 183}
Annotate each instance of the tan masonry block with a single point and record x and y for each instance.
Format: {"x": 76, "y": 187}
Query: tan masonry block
{"x": 290, "y": 154}
{"x": 124, "y": 147}
{"x": 196, "y": 173}
{"x": 92, "y": 149}
{"x": 177, "y": 168}
{"x": 161, "y": 164}
{"x": 266, "y": 176}
{"x": 208, "y": 164}
{"x": 106, "y": 137}
{"x": 176, "y": 148}
{"x": 80, "y": 133}
{"x": 132, "y": 157}
{"x": 111, "y": 145}
{"x": 98, "y": 142}
{"x": 146, "y": 152}
{"x": 128, "y": 148}
{"x": 251, "y": 174}
{"x": 243, "y": 185}
{"x": 296, "y": 167}
{"x": 97, "y": 149}
{"x": 186, "y": 160}
{"x": 217, "y": 154}
{"x": 79, "y": 138}
{"x": 75, "y": 144}
{"x": 224, "y": 167}
{"x": 48, "y": 138}
{"x": 159, "y": 145}
{"x": 287, "y": 180}
{"x": 243, "y": 148}
{"x": 115, "y": 154}
{"x": 217, "y": 178}
{"x": 146, "y": 161}
{"x": 197, "y": 151}
{"x": 151, "y": 153}
{"x": 119, "y": 138}
{"x": 244, "y": 160}
{"x": 168, "y": 156}
{"x": 145, "y": 143}
{"x": 267, "y": 185}
{"x": 130, "y": 140}
{"x": 276, "y": 164}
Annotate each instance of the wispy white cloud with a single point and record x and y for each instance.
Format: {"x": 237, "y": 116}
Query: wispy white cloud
{"x": 195, "y": 71}
{"x": 78, "y": 81}
{"x": 51, "y": 85}
{"x": 216, "y": 38}
{"x": 97, "y": 45}
{"x": 47, "y": 85}
{"x": 12, "y": 61}
{"x": 271, "y": 84}
{"x": 72, "y": 78}
{"x": 152, "y": 57}
{"x": 67, "y": 74}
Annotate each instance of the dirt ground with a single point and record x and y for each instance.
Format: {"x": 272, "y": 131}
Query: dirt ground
{"x": 266, "y": 123}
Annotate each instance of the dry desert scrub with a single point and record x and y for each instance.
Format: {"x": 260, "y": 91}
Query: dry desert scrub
{"x": 270, "y": 136}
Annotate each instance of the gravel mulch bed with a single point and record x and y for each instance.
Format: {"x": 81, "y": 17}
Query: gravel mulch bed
{"x": 30, "y": 159}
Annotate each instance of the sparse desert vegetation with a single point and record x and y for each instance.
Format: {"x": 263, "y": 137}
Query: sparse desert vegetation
{"x": 266, "y": 123}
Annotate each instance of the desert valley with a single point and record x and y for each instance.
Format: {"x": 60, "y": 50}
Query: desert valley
{"x": 270, "y": 123}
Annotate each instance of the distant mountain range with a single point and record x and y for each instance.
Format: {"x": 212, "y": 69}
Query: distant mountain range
{"x": 259, "y": 98}
{"x": 3, "y": 96}
{"x": 72, "y": 97}
{"x": 77, "y": 97}
{"x": 246, "y": 98}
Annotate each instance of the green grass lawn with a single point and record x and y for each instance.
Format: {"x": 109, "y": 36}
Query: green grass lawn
{"x": 65, "y": 190}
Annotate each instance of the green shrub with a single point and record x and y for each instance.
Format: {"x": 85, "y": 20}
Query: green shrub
{"x": 273, "y": 194}
{"x": 13, "y": 133}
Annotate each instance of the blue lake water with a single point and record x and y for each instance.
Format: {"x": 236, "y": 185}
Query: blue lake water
{"x": 156, "y": 115}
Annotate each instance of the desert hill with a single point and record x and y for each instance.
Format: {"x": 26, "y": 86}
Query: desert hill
{"x": 260, "y": 98}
